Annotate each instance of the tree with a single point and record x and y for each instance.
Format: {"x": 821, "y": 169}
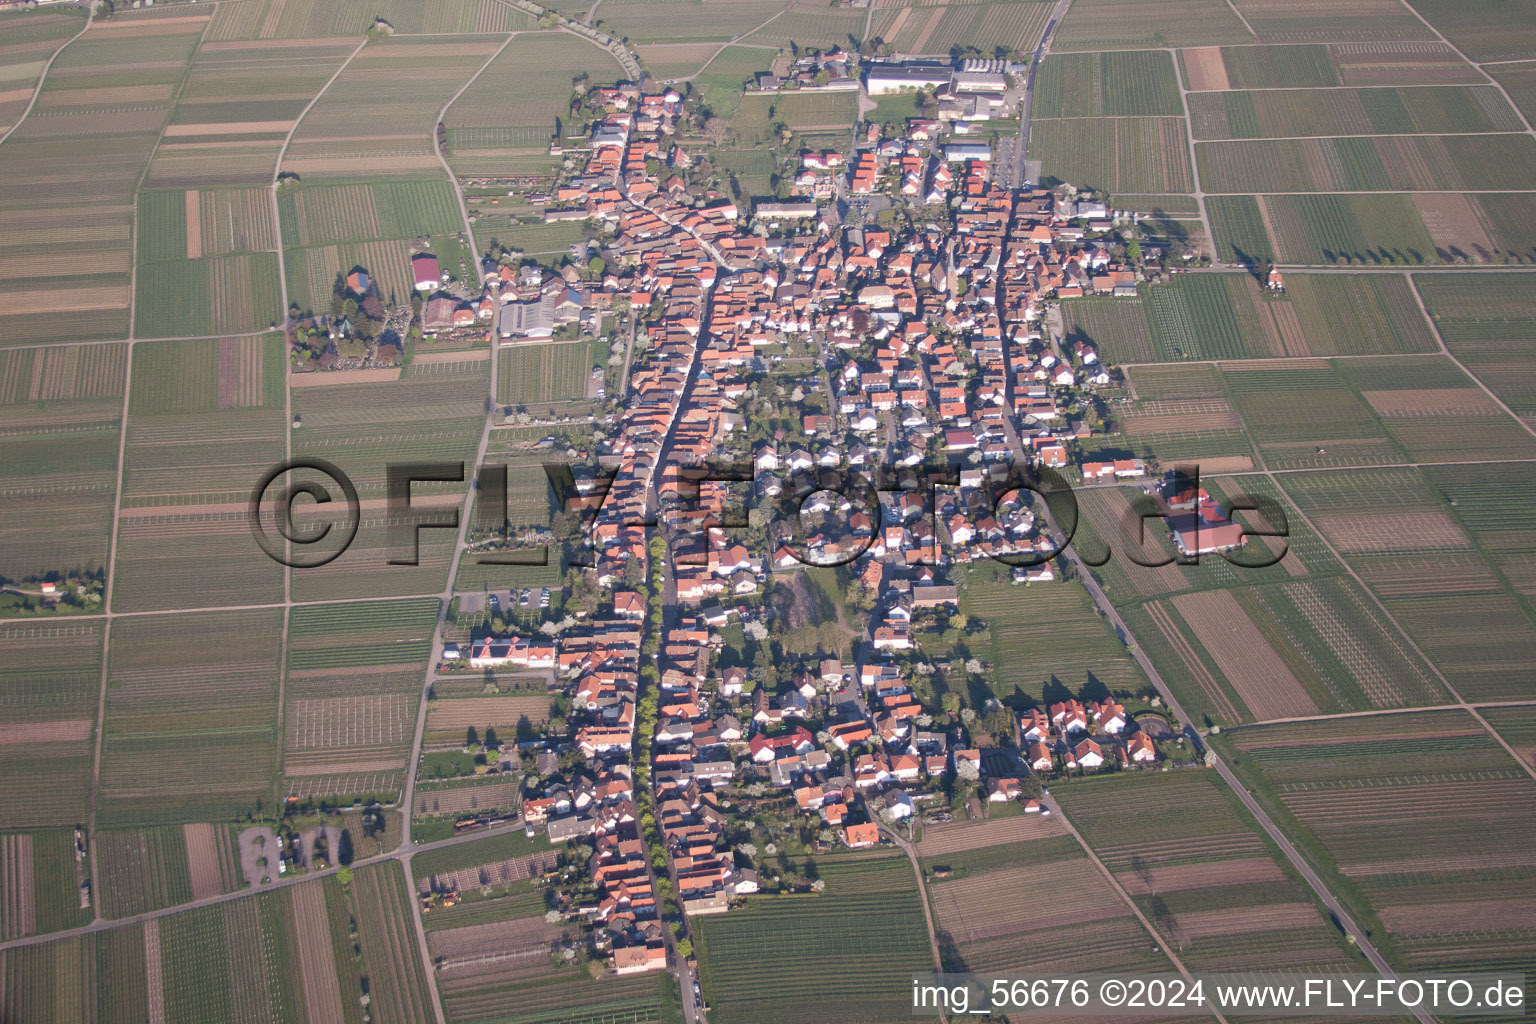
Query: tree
{"x": 1133, "y": 251}
{"x": 718, "y": 130}
{"x": 596, "y": 265}
{"x": 684, "y": 947}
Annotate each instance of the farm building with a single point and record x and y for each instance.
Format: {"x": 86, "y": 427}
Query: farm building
{"x": 425, "y": 272}
{"x": 889, "y": 78}
{"x": 957, "y": 152}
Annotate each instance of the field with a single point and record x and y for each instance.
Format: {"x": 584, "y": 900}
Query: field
{"x": 719, "y": 84}
{"x": 807, "y": 27}
{"x": 30, "y": 40}
{"x": 1135, "y": 24}
{"x": 1385, "y": 805}
{"x": 142, "y": 870}
{"x": 1320, "y": 229}
{"x": 378, "y": 116}
{"x": 433, "y": 413}
{"x": 71, "y": 169}
{"x": 848, "y": 952}
{"x": 49, "y": 687}
{"x": 60, "y": 412}
{"x": 1452, "y": 163}
{"x": 1467, "y": 26}
{"x": 1435, "y": 412}
{"x": 190, "y": 733}
{"x": 800, "y": 111}
{"x": 536, "y": 374}
{"x": 936, "y": 29}
{"x": 1120, "y": 84}
{"x": 1205, "y": 876}
{"x": 1298, "y": 21}
{"x": 1304, "y": 416}
{"x": 1046, "y": 643}
{"x": 235, "y": 109}
{"x": 508, "y": 716}
{"x": 275, "y": 19}
{"x": 1398, "y": 530}
{"x": 1487, "y": 324}
{"x": 643, "y": 21}
{"x": 1132, "y": 154}
{"x": 205, "y": 423}
{"x": 485, "y": 129}
{"x": 42, "y": 890}
{"x": 1377, "y": 111}
{"x": 1087, "y": 926}
{"x": 353, "y": 689}
{"x": 1218, "y": 68}
{"x": 1491, "y": 502}
{"x": 1210, "y": 316}
{"x": 1518, "y": 727}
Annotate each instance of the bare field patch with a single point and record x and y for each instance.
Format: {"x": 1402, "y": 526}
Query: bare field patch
{"x": 75, "y": 730}
{"x": 1354, "y": 533}
{"x": 203, "y": 859}
{"x": 1207, "y": 875}
{"x": 18, "y": 909}
{"x": 501, "y": 872}
{"x": 317, "y": 961}
{"x": 1251, "y": 665}
{"x": 227, "y": 128}
{"x": 322, "y": 378}
{"x": 462, "y": 799}
{"x": 972, "y": 835}
{"x": 480, "y": 712}
{"x": 1205, "y": 924}
{"x": 1206, "y": 69}
{"x": 972, "y": 909}
{"x": 1432, "y": 402}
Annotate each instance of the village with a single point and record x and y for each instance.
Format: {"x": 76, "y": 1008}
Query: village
{"x": 930, "y": 344}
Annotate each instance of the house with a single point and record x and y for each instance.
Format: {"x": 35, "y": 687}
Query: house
{"x": 859, "y": 837}
{"x": 1140, "y": 749}
{"x": 636, "y": 959}
{"x": 1088, "y": 754}
{"x": 1000, "y": 791}
{"x": 1039, "y": 757}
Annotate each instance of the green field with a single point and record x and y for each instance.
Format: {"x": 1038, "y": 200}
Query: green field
{"x": 1384, "y": 807}
{"x": 191, "y": 723}
{"x": 205, "y": 423}
{"x": 1122, "y": 84}
{"x": 1225, "y": 316}
{"x": 1137, "y": 24}
{"x": 1321, "y": 229}
{"x": 937, "y": 29}
{"x": 1132, "y": 154}
{"x": 1310, "y": 112}
{"x": 1474, "y": 28}
{"x": 1486, "y": 322}
{"x": 850, "y": 951}
{"x": 1453, "y": 163}
{"x": 142, "y": 870}
{"x": 543, "y": 373}
{"x": 1046, "y": 643}
{"x": 1194, "y": 862}
{"x": 1294, "y": 23}
{"x": 60, "y": 412}
{"x": 272, "y": 19}
{"x": 201, "y": 297}
{"x": 41, "y": 871}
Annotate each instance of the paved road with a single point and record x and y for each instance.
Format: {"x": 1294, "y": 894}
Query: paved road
{"x": 1015, "y": 176}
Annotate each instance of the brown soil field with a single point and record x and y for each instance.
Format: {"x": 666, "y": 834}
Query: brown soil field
{"x": 71, "y": 730}
{"x": 1226, "y": 464}
{"x": 483, "y": 712}
{"x": 1242, "y": 920}
{"x": 1453, "y": 223}
{"x": 194, "y": 208}
{"x": 18, "y": 910}
{"x": 461, "y": 799}
{"x": 1391, "y": 531}
{"x": 1192, "y": 664}
{"x": 1449, "y": 573}
{"x": 921, "y": 39}
{"x": 400, "y": 164}
{"x": 141, "y": 26}
{"x": 240, "y": 369}
{"x": 297, "y": 766}
{"x": 1465, "y": 916}
{"x": 321, "y": 378}
{"x": 1468, "y": 862}
{"x": 1251, "y": 666}
{"x": 466, "y": 356}
{"x": 1207, "y": 71}
{"x": 497, "y": 937}
{"x": 1225, "y": 847}
{"x": 205, "y": 857}
{"x": 1182, "y": 424}
{"x": 228, "y": 128}
{"x": 1401, "y": 63}
{"x": 1293, "y": 340}
{"x": 1432, "y": 402}
{"x": 498, "y": 873}
{"x": 115, "y": 95}
{"x": 343, "y": 723}
{"x": 154, "y": 979}
{"x": 1249, "y": 871}
{"x": 317, "y": 962}
{"x": 973, "y": 835}
{"x": 73, "y": 300}
{"x": 972, "y": 909}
